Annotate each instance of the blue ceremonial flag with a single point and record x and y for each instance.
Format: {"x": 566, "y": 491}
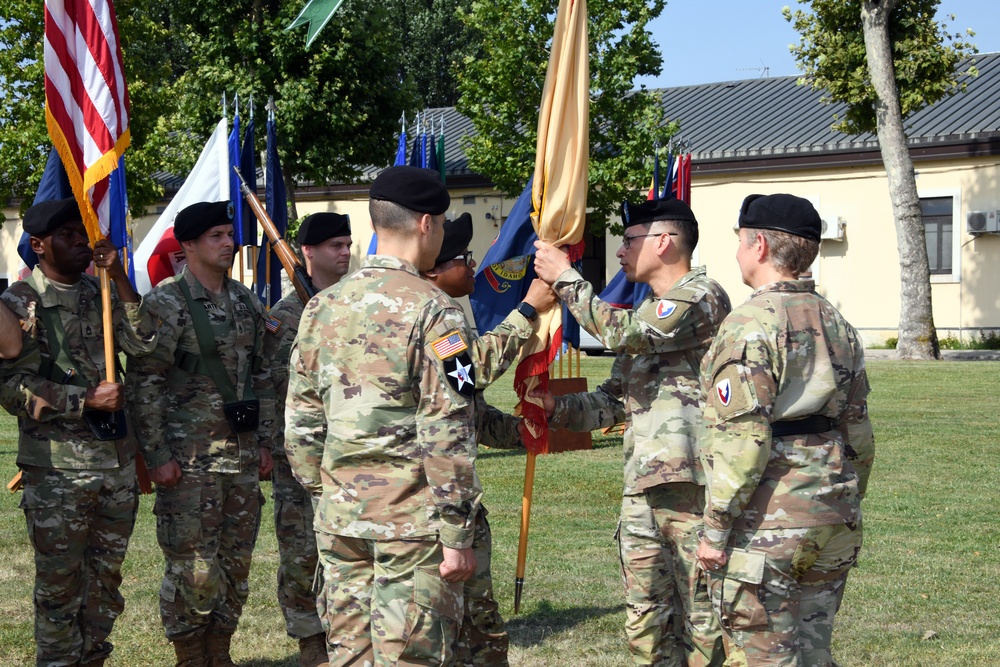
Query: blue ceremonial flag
{"x": 507, "y": 268}
{"x": 415, "y": 153}
{"x": 667, "y": 191}
{"x": 269, "y": 289}
{"x": 621, "y": 293}
{"x": 423, "y": 150}
{"x": 248, "y": 167}
{"x": 234, "y": 182}
{"x": 432, "y": 159}
{"x": 54, "y": 185}
{"x": 401, "y": 150}
{"x": 118, "y": 231}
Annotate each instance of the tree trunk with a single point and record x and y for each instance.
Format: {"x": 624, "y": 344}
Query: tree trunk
{"x": 917, "y": 335}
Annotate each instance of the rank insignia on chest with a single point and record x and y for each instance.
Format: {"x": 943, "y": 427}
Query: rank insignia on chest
{"x": 449, "y": 345}
{"x": 725, "y": 391}
{"x": 460, "y": 374}
{"x": 665, "y": 308}
{"x": 272, "y": 324}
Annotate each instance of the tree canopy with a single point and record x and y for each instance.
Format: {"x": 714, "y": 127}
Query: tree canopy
{"x": 337, "y": 103}
{"x": 501, "y": 90}
{"x": 925, "y": 56}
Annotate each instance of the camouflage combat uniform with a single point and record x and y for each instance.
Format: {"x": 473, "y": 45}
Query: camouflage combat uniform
{"x": 655, "y": 380}
{"x": 785, "y": 508}
{"x": 483, "y": 640}
{"x": 380, "y": 423}
{"x": 293, "y": 508}
{"x": 79, "y": 497}
{"x": 206, "y": 525}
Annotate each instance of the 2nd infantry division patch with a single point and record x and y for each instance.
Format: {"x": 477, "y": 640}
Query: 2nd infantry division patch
{"x": 449, "y": 346}
{"x": 460, "y": 374}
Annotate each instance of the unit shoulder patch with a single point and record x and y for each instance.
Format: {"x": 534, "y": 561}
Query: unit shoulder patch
{"x": 461, "y": 374}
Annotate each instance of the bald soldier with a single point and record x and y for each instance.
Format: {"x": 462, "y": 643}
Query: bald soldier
{"x": 75, "y": 449}
{"x": 205, "y": 408}
{"x": 788, "y": 447}
{"x": 380, "y": 425}
{"x": 325, "y": 239}
{"x": 659, "y": 345}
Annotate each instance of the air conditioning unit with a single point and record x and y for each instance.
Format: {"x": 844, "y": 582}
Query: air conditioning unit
{"x": 983, "y": 222}
{"x": 833, "y": 230}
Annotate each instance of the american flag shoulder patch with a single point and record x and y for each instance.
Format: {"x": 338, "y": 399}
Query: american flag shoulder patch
{"x": 272, "y": 324}
{"x": 449, "y": 346}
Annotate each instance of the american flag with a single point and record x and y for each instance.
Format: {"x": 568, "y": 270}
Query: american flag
{"x": 449, "y": 345}
{"x": 86, "y": 100}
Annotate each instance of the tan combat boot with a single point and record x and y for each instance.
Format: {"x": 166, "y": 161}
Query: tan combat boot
{"x": 217, "y": 645}
{"x": 312, "y": 651}
{"x": 190, "y": 652}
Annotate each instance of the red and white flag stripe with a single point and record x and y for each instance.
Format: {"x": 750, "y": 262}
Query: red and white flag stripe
{"x": 86, "y": 99}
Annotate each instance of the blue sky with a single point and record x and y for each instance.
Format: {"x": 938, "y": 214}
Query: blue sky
{"x": 706, "y": 41}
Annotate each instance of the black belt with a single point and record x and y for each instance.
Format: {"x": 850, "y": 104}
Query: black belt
{"x": 814, "y": 424}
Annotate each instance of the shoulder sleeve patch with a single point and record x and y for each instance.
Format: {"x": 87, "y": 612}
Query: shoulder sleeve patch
{"x": 665, "y": 308}
{"x": 732, "y": 393}
{"x": 449, "y": 345}
{"x": 272, "y": 324}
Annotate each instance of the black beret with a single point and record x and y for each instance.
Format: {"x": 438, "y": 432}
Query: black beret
{"x": 196, "y": 219}
{"x": 457, "y": 236}
{"x": 413, "y": 188}
{"x": 656, "y": 209}
{"x": 782, "y": 213}
{"x": 319, "y": 227}
{"x": 44, "y": 218}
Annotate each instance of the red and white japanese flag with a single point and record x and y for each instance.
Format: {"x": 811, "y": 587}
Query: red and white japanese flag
{"x": 86, "y": 100}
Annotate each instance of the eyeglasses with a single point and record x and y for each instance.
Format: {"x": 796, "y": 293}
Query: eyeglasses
{"x": 466, "y": 257}
{"x": 627, "y": 240}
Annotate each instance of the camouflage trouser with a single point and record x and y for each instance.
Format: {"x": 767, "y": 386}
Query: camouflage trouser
{"x": 206, "y": 526}
{"x": 780, "y": 591}
{"x": 386, "y": 603}
{"x": 669, "y": 615}
{"x": 293, "y": 527}
{"x": 79, "y": 523}
{"x": 482, "y": 641}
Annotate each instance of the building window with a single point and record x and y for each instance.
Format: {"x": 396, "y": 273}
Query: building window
{"x": 936, "y": 213}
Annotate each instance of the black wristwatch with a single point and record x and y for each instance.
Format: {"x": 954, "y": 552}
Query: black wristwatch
{"x": 527, "y": 310}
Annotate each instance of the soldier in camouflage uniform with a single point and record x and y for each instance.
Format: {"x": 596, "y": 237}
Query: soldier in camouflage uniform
{"x": 380, "y": 423}
{"x": 655, "y": 380}
{"x": 788, "y": 447}
{"x": 204, "y": 405}
{"x": 325, "y": 239}
{"x": 483, "y": 640}
{"x": 80, "y": 492}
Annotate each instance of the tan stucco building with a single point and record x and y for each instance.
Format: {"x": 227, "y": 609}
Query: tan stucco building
{"x": 771, "y": 135}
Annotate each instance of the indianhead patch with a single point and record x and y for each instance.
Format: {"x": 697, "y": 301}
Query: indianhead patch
{"x": 665, "y": 308}
{"x": 461, "y": 375}
{"x": 724, "y": 390}
{"x": 449, "y": 346}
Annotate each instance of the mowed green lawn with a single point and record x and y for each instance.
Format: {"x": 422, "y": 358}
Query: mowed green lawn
{"x": 926, "y": 592}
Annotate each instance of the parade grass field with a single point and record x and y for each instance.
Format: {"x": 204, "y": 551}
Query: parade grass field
{"x": 926, "y": 592}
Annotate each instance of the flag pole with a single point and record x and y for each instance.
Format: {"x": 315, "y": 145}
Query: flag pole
{"x": 522, "y": 543}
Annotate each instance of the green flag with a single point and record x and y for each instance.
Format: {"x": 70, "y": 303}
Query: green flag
{"x": 440, "y": 154}
{"x": 316, "y": 13}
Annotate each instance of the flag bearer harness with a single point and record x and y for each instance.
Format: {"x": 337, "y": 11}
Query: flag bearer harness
{"x": 103, "y": 424}
{"x": 243, "y": 415}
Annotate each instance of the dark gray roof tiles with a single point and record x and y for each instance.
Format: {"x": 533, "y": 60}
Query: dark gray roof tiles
{"x": 773, "y": 117}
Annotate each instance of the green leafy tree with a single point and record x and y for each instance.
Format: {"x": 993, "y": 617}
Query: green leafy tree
{"x": 886, "y": 59}
{"x": 501, "y": 92}
{"x": 24, "y": 138}
{"x": 436, "y": 42}
{"x": 337, "y": 102}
